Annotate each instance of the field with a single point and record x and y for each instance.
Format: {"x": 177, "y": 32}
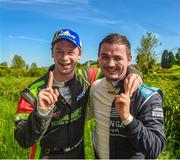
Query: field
{"x": 167, "y": 80}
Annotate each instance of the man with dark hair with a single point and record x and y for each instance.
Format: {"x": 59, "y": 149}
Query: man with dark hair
{"x": 128, "y": 127}
{"x": 51, "y": 111}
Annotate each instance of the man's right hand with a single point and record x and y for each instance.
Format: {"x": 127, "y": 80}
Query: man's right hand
{"x": 48, "y": 96}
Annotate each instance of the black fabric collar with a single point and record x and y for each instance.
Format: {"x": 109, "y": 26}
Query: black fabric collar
{"x": 120, "y": 85}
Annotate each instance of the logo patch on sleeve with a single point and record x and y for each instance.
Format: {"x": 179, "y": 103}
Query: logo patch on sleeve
{"x": 157, "y": 112}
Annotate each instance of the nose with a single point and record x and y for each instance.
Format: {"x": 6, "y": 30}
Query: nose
{"x": 111, "y": 63}
{"x": 64, "y": 57}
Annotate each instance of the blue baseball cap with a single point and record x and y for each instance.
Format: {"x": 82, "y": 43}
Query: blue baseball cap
{"x": 69, "y": 35}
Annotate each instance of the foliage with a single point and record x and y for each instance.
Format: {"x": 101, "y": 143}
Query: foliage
{"x": 36, "y": 72}
{"x": 167, "y": 60}
{"x": 178, "y": 56}
{"x": 34, "y": 65}
{"x": 21, "y": 72}
{"x": 169, "y": 83}
{"x": 4, "y": 64}
{"x": 10, "y": 90}
{"x": 146, "y": 58}
{"x": 18, "y": 62}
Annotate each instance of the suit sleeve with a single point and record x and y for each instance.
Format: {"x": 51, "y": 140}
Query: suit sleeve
{"x": 30, "y": 125}
{"x": 145, "y": 132}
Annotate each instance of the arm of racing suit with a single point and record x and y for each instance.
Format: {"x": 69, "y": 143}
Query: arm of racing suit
{"x": 146, "y": 132}
{"x": 30, "y": 124}
{"x": 132, "y": 70}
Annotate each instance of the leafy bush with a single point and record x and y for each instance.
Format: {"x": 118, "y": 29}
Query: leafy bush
{"x": 21, "y": 72}
{"x": 170, "y": 85}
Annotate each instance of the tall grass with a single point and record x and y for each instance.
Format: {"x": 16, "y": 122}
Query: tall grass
{"x": 9, "y": 90}
{"x": 170, "y": 85}
{"x": 9, "y": 148}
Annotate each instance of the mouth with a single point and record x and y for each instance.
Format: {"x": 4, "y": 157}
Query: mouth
{"x": 110, "y": 70}
{"x": 65, "y": 65}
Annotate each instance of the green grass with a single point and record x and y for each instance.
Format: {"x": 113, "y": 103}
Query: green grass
{"x": 10, "y": 88}
{"x": 9, "y": 148}
{"x": 169, "y": 82}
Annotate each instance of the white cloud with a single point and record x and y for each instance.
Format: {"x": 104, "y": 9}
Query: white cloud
{"x": 73, "y": 10}
{"x": 28, "y": 38}
{"x": 15, "y": 1}
{"x": 62, "y": 2}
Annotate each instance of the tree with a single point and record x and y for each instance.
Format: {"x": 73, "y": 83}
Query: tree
{"x": 4, "y": 64}
{"x": 27, "y": 66}
{"x": 178, "y": 56}
{"x": 167, "y": 60}
{"x": 33, "y": 65}
{"x": 172, "y": 58}
{"x": 146, "y": 56}
{"x": 18, "y": 62}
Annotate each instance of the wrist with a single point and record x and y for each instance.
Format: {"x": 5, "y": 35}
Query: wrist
{"x": 128, "y": 120}
{"x": 44, "y": 111}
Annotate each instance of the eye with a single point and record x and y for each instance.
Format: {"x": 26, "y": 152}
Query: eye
{"x": 117, "y": 58}
{"x": 71, "y": 52}
{"x": 58, "y": 52}
{"x": 104, "y": 57}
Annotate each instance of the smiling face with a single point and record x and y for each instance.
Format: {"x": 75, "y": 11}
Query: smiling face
{"x": 114, "y": 60}
{"x": 66, "y": 56}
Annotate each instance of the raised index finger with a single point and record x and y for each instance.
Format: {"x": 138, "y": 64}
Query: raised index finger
{"x": 50, "y": 80}
{"x": 126, "y": 87}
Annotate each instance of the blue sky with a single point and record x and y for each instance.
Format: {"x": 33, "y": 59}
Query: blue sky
{"x": 28, "y": 26}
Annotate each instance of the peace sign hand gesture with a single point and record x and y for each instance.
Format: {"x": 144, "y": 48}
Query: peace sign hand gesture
{"x": 48, "y": 96}
{"x": 122, "y": 102}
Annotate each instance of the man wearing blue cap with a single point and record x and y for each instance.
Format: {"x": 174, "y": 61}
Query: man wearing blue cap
{"x": 51, "y": 111}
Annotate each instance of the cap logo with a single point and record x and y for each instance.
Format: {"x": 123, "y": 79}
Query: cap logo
{"x": 66, "y": 33}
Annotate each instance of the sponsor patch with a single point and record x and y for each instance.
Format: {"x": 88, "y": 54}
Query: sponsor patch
{"x": 157, "y": 112}
{"x": 80, "y": 95}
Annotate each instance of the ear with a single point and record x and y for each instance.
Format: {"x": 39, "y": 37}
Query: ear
{"x": 52, "y": 53}
{"x": 80, "y": 53}
{"x": 129, "y": 58}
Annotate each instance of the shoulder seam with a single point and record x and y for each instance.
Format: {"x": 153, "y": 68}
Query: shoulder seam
{"x": 139, "y": 108}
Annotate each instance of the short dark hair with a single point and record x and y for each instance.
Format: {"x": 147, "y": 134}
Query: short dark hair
{"x": 115, "y": 38}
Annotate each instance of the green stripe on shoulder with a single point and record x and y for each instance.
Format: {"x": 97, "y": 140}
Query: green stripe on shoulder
{"x": 80, "y": 73}
{"x": 38, "y": 151}
{"x": 88, "y": 144}
{"x": 21, "y": 116}
{"x": 99, "y": 74}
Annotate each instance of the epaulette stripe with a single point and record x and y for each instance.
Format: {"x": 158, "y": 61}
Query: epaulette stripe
{"x": 147, "y": 91}
{"x": 85, "y": 73}
{"x": 147, "y": 100}
{"x": 80, "y": 73}
{"x": 99, "y": 74}
{"x": 21, "y": 116}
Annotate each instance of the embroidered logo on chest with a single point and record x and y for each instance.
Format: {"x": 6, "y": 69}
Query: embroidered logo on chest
{"x": 56, "y": 114}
